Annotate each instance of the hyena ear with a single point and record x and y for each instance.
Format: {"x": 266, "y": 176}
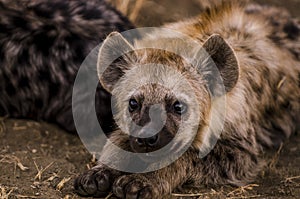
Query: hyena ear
{"x": 114, "y": 57}
{"x": 224, "y": 59}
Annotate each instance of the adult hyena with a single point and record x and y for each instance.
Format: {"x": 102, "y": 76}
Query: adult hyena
{"x": 258, "y": 59}
{"x": 42, "y": 45}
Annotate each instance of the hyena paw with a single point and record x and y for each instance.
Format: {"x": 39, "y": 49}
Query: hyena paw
{"x": 95, "y": 182}
{"x": 135, "y": 187}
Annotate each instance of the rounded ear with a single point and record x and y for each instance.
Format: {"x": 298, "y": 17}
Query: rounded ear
{"x": 114, "y": 59}
{"x": 225, "y": 60}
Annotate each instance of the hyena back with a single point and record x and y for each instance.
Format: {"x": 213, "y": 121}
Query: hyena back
{"x": 258, "y": 61}
{"x": 42, "y": 45}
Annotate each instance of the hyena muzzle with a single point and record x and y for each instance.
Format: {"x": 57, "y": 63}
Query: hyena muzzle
{"x": 255, "y": 49}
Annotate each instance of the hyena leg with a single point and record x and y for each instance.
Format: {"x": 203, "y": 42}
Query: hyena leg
{"x": 96, "y": 182}
{"x": 228, "y": 163}
{"x": 155, "y": 184}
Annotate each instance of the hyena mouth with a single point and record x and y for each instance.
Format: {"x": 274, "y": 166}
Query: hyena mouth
{"x": 148, "y": 151}
{"x": 150, "y": 144}
{"x": 165, "y": 154}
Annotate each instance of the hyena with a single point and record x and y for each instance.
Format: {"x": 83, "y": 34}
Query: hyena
{"x": 42, "y": 45}
{"x": 255, "y": 49}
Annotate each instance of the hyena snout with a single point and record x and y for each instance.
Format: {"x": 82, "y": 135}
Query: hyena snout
{"x": 150, "y": 135}
{"x": 151, "y": 143}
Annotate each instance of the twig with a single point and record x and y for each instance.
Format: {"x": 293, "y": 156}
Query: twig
{"x": 41, "y": 171}
{"x": 213, "y": 192}
{"x": 242, "y": 189}
{"x": 18, "y": 128}
{"x": 23, "y": 196}
{"x": 15, "y": 160}
{"x": 189, "y": 195}
{"x": 2, "y": 124}
{"x": 281, "y": 82}
{"x": 293, "y": 177}
{"x": 274, "y": 160}
{"x": 290, "y": 179}
{"x": 243, "y": 197}
{"x": 3, "y": 194}
{"x": 62, "y": 183}
{"x": 50, "y": 179}
{"x": 94, "y": 160}
{"x": 108, "y": 196}
{"x": 69, "y": 196}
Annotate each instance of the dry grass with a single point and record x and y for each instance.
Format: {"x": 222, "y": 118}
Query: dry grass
{"x": 4, "y": 193}
{"x": 275, "y": 158}
{"x": 50, "y": 179}
{"x": 69, "y": 196}
{"x": 25, "y": 196}
{"x": 108, "y": 196}
{"x": 62, "y": 183}
{"x": 93, "y": 162}
{"x": 212, "y": 193}
{"x": 2, "y": 125}
{"x": 41, "y": 170}
{"x": 291, "y": 180}
{"x": 240, "y": 192}
{"x": 281, "y": 82}
{"x": 245, "y": 197}
{"x": 13, "y": 159}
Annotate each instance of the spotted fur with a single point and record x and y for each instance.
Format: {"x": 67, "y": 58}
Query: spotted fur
{"x": 42, "y": 45}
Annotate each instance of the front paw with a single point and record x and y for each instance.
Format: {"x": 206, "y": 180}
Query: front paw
{"x": 96, "y": 182}
{"x": 135, "y": 186}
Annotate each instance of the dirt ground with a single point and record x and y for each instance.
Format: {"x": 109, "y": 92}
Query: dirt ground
{"x": 39, "y": 160}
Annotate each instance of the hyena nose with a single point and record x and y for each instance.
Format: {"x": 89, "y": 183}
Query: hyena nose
{"x": 149, "y": 142}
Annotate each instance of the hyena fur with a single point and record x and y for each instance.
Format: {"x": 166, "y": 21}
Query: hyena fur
{"x": 42, "y": 45}
{"x": 256, "y": 50}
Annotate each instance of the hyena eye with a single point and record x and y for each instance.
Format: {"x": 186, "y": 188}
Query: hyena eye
{"x": 180, "y": 107}
{"x": 133, "y": 105}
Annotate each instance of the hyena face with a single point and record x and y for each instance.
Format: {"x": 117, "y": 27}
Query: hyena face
{"x": 154, "y": 102}
{"x": 156, "y": 116}
{"x": 155, "y": 107}
{"x": 159, "y": 96}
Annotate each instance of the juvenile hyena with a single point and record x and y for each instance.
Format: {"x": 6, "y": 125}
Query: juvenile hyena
{"x": 256, "y": 50}
{"x": 42, "y": 45}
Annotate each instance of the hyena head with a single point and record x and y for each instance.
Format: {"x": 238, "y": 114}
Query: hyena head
{"x": 160, "y": 96}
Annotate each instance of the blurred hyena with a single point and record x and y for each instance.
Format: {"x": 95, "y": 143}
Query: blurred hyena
{"x": 256, "y": 50}
{"x": 42, "y": 45}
